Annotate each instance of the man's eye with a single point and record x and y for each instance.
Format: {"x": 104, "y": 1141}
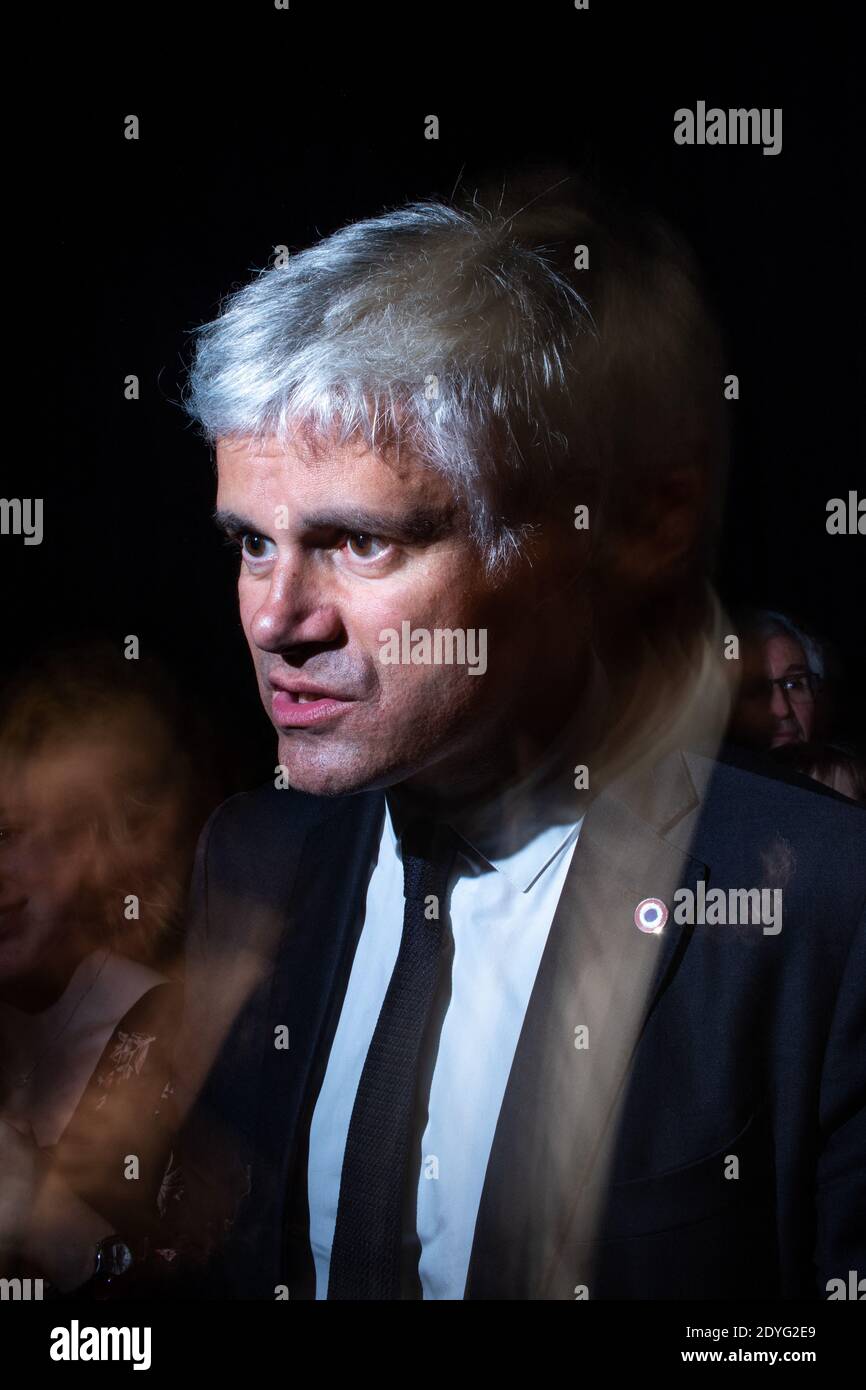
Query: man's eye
{"x": 365, "y": 547}
{"x": 253, "y": 546}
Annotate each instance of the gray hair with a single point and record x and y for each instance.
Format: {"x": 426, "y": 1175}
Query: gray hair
{"x": 768, "y": 623}
{"x": 461, "y": 336}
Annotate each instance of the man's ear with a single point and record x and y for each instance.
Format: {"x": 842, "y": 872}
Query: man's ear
{"x": 658, "y": 529}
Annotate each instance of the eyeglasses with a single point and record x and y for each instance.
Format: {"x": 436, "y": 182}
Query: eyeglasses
{"x": 800, "y": 687}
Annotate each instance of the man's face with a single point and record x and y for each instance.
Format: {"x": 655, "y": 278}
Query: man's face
{"x": 792, "y": 705}
{"x": 334, "y": 552}
{"x": 773, "y": 715}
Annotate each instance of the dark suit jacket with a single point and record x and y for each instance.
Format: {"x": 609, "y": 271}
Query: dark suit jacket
{"x": 611, "y": 1170}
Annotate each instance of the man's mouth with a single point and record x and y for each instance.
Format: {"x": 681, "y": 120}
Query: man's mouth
{"x": 295, "y": 706}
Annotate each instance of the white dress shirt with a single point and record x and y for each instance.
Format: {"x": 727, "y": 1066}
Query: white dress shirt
{"x": 502, "y": 904}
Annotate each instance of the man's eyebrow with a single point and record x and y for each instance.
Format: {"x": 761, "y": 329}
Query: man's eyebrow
{"x": 232, "y": 524}
{"x": 419, "y": 525}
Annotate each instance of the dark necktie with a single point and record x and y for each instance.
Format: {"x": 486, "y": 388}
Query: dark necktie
{"x": 366, "y": 1256}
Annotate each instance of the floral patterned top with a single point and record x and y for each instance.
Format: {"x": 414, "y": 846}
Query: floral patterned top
{"x": 116, "y": 1151}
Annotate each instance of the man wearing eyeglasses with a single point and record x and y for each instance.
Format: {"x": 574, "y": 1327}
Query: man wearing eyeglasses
{"x": 783, "y": 673}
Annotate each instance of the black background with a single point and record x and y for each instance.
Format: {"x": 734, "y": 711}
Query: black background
{"x": 260, "y": 128}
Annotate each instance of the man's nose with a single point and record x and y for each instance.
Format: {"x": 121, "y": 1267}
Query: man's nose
{"x": 296, "y": 611}
{"x": 780, "y": 704}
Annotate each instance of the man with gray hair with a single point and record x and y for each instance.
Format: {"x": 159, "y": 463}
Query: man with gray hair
{"x": 783, "y": 675}
{"x": 445, "y": 1036}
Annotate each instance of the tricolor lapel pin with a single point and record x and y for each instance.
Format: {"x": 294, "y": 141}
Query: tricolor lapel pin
{"x": 650, "y": 915}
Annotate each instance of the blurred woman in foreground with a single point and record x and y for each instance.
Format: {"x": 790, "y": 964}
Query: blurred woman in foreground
{"x": 96, "y": 835}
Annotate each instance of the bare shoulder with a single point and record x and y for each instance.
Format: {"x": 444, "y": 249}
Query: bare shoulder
{"x": 121, "y": 984}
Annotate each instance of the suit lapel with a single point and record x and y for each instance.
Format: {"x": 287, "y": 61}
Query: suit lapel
{"x": 321, "y": 912}
{"x": 601, "y": 975}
